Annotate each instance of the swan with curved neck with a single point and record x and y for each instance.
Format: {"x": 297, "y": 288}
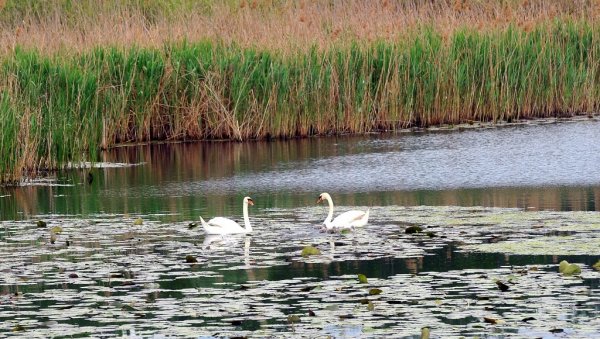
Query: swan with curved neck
{"x": 345, "y": 220}
{"x": 220, "y": 225}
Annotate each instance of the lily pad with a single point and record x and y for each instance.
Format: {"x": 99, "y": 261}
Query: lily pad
{"x": 568, "y": 269}
{"x": 362, "y": 279}
{"x": 375, "y": 291}
{"x": 41, "y": 224}
{"x": 138, "y": 222}
{"x": 596, "y": 266}
{"x": 56, "y": 229}
{"x": 310, "y": 250}
{"x": 293, "y": 319}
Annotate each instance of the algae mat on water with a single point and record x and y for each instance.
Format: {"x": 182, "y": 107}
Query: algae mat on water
{"x": 105, "y": 274}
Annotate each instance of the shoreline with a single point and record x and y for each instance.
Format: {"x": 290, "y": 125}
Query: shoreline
{"x": 436, "y": 128}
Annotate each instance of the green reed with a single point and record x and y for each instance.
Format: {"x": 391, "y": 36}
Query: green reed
{"x": 55, "y": 108}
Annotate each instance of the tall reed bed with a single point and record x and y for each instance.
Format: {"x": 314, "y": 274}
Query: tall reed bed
{"x": 283, "y": 25}
{"x": 60, "y": 108}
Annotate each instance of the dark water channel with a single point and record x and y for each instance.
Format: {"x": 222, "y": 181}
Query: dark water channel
{"x": 103, "y": 277}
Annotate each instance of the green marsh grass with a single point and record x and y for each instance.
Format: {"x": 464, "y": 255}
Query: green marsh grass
{"x": 56, "y": 108}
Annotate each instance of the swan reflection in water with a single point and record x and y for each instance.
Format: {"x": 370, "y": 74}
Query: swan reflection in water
{"x": 220, "y": 242}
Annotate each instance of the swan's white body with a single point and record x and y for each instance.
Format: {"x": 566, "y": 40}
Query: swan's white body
{"x": 345, "y": 220}
{"x": 222, "y": 226}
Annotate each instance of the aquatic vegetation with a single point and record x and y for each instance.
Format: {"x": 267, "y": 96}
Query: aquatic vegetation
{"x": 568, "y": 245}
{"x": 190, "y": 259}
{"x": 568, "y": 269}
{"x": 375, "y": 291}
{"x": 117, "y": 279}
{"x": 61, "y": 108}
{"x": 310, "y": 250}
{"x": 502, "y": 286}
{"x": 413, "y": 229}
{"x": 277, "y": 25}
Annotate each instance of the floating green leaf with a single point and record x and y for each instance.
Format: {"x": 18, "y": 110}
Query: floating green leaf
{"x": 41, "y": 223}
{"x": 190, "y": 259}
{"x": 310, "y": 250}
{"x": 568, "y": 269}
{"x": 425, "y": 332}
{"x": 375, "y": 291}
{"x": 56, "y": 230}
{"x": 362, "y": 279}
{"x": 138, "y": 222}
{"x": 293, "y": 319}
{"x": 596, "y": 266}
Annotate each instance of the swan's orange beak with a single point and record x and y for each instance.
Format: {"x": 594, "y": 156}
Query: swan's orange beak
{"x": 250, "y": 202}
{"x": 319, "y": 199}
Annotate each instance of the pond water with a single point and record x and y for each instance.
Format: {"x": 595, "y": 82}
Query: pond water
{"x": 502, "y": 204}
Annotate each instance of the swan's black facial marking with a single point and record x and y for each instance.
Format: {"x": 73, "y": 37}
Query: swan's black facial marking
{"x": 250, "y": 202}
{"x": 319, "y": 199}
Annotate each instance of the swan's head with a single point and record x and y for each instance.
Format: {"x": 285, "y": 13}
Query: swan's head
{"x": 249, "y": 201}
{"x": 323, "y": 196}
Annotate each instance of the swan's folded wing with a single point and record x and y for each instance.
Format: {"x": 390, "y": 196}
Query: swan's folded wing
{"x": 222, "y": 222}
{"x": 348, "y": 217}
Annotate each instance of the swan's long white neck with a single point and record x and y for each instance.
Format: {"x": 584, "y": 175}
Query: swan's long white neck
{"x": 246, "y": 219}
{"x": 330, "y": 214}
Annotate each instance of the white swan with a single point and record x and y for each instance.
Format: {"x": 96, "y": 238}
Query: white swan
{"x": 220, "y": 225}
{"x": 345, "y": 220}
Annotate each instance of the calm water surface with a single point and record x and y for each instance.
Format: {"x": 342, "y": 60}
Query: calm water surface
{"x": 550, "y": 166}
{"x": 534, "y": 167}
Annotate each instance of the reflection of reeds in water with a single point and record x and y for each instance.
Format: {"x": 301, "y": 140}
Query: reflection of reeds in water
{"x": 353, "y": 78}
{"x": 124, "y": 190}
